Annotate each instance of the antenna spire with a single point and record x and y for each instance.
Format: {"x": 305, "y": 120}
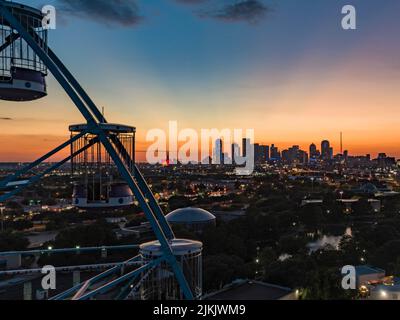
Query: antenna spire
{"x": 341, "y": 142}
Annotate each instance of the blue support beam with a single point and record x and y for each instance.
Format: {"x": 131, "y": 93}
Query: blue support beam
{"x": 8, "y": 41}
{"x": 75, "y": 84}
{"x": 87, "y": 267}
{"x": 145, "y": 189}
{"x": 34, "y": 164}
{"x": 36, "y": 178}
{"x": 107, "y": 287}
{"x": 165, "y": 245}
{"x": 68, "y": 250}
{"x": 101, "y": 118}
{"x": 90, "y": 112}
{"x": 64, "y": 295}
{"x": 7, "y": 15}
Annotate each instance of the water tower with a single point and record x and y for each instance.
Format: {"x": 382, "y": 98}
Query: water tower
{"x": 25, "y": 58}
{"x": 159, "y": 283}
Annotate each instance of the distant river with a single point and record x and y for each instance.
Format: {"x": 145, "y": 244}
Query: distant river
{"x": 334, "y": 241}
{"x": 38, "y": 239}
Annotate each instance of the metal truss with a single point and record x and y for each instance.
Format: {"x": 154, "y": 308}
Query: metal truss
{"x": 114, "y": 147}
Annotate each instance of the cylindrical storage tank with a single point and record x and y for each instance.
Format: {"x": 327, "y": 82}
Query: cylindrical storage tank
{"x": 160, "y": 282}
{"x": 22, "y": 72}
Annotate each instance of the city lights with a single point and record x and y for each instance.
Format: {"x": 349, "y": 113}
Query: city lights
{"x": 199, "y": 150}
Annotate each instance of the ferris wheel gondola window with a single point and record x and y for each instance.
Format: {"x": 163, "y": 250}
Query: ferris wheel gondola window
{"x": 19, "y": 63}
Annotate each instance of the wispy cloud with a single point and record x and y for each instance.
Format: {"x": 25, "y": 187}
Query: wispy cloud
{"x": 110, "y": 12}
{"x": 232, "y": 11}
{"x": 5, "y": 119}
{"x": 126, "y": 13}
{"x": 247, "y": 10}
{"x": 191, "y": 1}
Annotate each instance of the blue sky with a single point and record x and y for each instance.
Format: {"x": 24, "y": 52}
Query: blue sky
{"x": 274, "y": 75}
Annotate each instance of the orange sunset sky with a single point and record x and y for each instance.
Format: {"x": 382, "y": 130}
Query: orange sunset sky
{"x": 295, "y": 77}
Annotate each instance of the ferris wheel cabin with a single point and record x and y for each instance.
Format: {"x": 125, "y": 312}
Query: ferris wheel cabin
{"x": 98, "y": 184}
{"x": 22, "y": 72}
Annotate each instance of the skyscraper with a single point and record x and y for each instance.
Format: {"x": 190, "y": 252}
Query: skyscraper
{"x": 261, "y": 153}
{"x": 257, "y": 153}
{"x": 313, "y": 149}
{"x": 245, "y": 143}
{"x": 346, "y": 155}
{"x": 267, "y": 149}
{"x": 219, "y": 152}
{"x": 326, "y": 150}
{"x": 235, "y": 153}
{"x": 295, "y": 156}
{"x": 314, "y": 153}
{"x": 275, "y": 154}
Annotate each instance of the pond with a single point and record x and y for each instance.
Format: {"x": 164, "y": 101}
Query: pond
{"x": 325, "y": 240}
{"x": 38, "y": 239}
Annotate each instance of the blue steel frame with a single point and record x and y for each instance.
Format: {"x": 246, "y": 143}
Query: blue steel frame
{"x": 94, "y": 280}
{"x": 114, "y": 147}
{"x": 69, "y": 250}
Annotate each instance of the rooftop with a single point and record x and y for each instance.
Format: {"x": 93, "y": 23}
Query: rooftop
{"x": 364, "y": 270}
{"x": 190, "y": 215}
{"x": 178, "y": 246}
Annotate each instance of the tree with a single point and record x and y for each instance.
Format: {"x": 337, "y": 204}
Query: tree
{"x": 381, "y": 234}
{"x": 21, "y": 225}
{"x": 395, "y": 267}
{"x": 221, "y": 240}
{"x": 12, "y": 205}
{"x": 391, "y": 207}
{"x": 177, "y": 202}
{"x": 98, "y": 234}
{"x": 220, "y": 270}
{"x": 292, "y": 272}
{"x": 362, "y": 208}
{"x": 291, "y": 244}
{"x": 268, "y": 256}
{"x": 350, "y": 250}
{"x": 311, "y": 215}
{"x": 325, "y": 284}
{"x": 12, "y": 242}
{"x": 385, "y": 255}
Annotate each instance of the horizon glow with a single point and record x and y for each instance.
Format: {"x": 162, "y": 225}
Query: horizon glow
{"x": 295, "y": 77}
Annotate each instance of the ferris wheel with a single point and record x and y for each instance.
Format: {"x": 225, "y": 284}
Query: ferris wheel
{"x": 167, "y": 268}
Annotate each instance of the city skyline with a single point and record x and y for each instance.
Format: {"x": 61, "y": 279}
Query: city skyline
{"x": 218, "y": 151}
{"x": 269, "y": 152}
{"x": 289, "y": 80}
{"x": 229, "y": 150}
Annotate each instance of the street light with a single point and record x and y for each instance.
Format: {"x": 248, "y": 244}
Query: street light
{"x": 2, "y": 208}
{"x": 312, "y": 184}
